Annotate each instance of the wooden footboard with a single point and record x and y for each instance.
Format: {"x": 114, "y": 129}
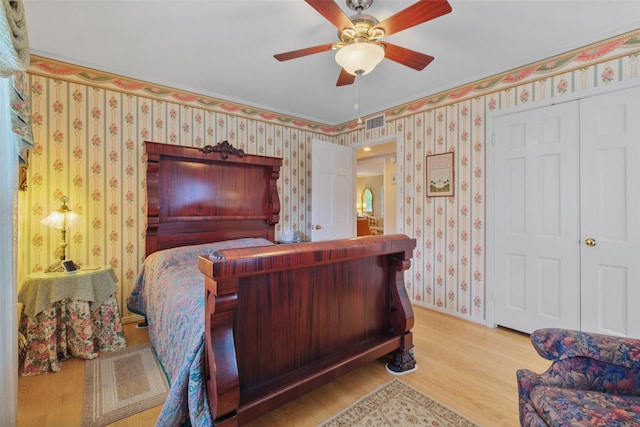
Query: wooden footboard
{"x": 282, "y": 320}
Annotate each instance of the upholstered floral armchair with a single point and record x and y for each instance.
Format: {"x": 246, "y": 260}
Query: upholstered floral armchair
{"x": 594, "y": 380}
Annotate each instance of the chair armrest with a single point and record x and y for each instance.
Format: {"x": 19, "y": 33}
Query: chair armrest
{"x": 558, "y": 344}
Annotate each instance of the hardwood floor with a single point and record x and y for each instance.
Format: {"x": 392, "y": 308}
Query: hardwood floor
{"x": 466, "y": 366}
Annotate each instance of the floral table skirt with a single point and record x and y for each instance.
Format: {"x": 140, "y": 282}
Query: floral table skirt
{"x": 69, "y": 328}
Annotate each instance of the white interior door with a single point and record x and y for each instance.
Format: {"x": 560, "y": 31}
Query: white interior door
{"x": 536, "y": 250}
{"x": 333, "y": 178}
{"x": 610, "y": 214}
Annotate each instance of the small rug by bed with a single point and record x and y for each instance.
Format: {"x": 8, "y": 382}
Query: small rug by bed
{"x": 397, "y": 404}
{"x": 122, "y": 383}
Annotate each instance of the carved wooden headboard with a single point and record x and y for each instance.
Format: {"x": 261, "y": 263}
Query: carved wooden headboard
{"x": 209, "y": 194}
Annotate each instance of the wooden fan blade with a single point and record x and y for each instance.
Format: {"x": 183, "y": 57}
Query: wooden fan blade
{"x": 303, "y": 52}
{"x": 420, "y": 12}
{"x": 332, "y": 13}
{"x": 345, "y": 78}
{"x": 408, "y": 57}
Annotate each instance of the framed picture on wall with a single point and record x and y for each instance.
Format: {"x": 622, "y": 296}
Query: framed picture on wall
{"x": 440, "y": 175}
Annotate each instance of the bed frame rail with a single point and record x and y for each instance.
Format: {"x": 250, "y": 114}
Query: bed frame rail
{"x": 285, "y": 319}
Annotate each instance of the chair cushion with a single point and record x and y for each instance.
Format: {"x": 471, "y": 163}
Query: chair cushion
{"x": 569, "y": 407}
{"x": 557, "y": 344}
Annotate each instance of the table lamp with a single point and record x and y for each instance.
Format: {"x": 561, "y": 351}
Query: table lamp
{"x": 61, "y": 219}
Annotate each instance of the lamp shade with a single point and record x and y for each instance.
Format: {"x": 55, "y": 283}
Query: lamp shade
{"x": 62, "y": 218}
{"x": 357, "y": 57}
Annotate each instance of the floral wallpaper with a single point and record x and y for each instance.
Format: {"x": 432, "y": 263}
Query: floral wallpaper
{"x": 89, "y": 147}
{"x": 89, "y": 128}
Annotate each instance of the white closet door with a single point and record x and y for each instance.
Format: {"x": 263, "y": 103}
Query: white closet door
{"x": 610, "y": 213}
{"x": 536, "y": 234}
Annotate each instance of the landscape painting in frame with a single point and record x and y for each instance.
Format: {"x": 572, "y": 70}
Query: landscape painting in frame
{"x": 440, "y": 175}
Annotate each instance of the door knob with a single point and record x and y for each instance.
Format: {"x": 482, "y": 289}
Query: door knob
{"x": 317, "y": 227}
{"x": 590, "y": 242}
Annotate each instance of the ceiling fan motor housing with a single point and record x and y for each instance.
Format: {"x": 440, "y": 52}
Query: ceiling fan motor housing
{"x": 359, "y": 5}
{"x": 364, "y": 29}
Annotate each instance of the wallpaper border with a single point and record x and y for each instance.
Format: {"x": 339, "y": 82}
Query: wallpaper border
{"x": 565, "y": 62}
{"x": 71, "y": 73}
{"x": 555, "y": 65}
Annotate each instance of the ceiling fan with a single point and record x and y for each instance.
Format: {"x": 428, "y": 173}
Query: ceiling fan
{"x": 360, "y": 49}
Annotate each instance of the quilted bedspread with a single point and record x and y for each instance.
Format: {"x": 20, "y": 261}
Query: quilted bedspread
{"x": 169, "y": 292}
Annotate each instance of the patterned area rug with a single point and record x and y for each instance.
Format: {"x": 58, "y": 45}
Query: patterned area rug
{"x": 397, "y": 404}
{"x": 122, "y": 383}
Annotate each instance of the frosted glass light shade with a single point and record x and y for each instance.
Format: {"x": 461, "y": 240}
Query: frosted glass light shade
{"x": 61, "y": 220}
{"x": 359, "y": 56}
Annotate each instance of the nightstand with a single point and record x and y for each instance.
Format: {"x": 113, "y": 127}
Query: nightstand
{"x": 68, "y": 315}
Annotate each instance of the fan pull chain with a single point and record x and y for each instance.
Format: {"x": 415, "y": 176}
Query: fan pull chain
{"x": 357, "y": 106}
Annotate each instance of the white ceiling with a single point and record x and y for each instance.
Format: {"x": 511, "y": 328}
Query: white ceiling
{"x": 225, "y": 48}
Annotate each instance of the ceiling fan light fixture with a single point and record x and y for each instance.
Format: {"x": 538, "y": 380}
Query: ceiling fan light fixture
{"x": 361, "y": 57}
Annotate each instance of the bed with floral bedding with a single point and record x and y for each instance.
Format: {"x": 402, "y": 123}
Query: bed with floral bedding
{"x": 169, "y": 294}
{"x": 242, "y": 325}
